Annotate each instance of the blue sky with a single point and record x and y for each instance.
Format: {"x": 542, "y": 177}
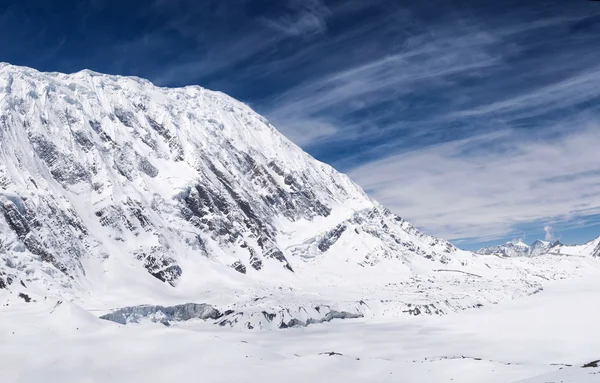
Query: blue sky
{"x": 478, "y": 120}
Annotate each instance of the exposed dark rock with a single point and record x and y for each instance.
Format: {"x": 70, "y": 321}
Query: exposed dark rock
{"x": 63, "y": 167}
{"x": 37, "y": 248}
{"x": 97, "y": 127}
{"x": 171, "y": 139}
{"x": 160, "y": 129}
{"x": 6, "y": 280}
{"x": 137, "y": 210}
{"x": 148, "y": 140}
{"x": 255, "y": 262}
{"x": 15, "y": 219}
{"x": 83, "y": 140}
{"x": 331, "y": 237}
{"x": 596, "y": 252}
{"x": 422, "y": 309}
{"x": 160, "y": 266}
{"x": 269, "y": 316}
{"x": 292, "y": 323}
{"x": 239, "y": 267}
{"x": 145, "y": 166}
{"x": 270, "y": 250}
{"x": 25, "y": 297}
{"x": 126, "y": 117}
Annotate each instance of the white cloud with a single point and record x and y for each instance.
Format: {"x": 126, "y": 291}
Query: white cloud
{"x": 549, "y": 234}
{"x": 486, "y": 186}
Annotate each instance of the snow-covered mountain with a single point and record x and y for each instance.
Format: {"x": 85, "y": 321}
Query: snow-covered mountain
{"x": 115, "y": 192}
{"x": 508, "y": 249}
{"x": 589, "y": 249}
{"x": 109, "y": 167}
{"x": 520, "y": 249}
{"x": 540, "y": 247}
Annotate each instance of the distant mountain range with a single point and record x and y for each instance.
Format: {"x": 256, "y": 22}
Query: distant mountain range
{"x": 519, "y": 248}
{"x": 539, "y": 247}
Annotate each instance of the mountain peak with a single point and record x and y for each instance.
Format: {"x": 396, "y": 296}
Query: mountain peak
{"x": 119, "y": 170}
{"x": 518, "y": 243}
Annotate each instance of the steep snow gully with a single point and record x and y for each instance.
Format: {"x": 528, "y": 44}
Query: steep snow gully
{"x": 140, "y": 203}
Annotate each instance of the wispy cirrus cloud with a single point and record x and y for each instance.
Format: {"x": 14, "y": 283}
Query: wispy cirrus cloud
{"x": 213, "y": 59}
{"x": 211, "y": 46}
{"x": 424, "y": 64}
{"x": 302, "y": 17}
{"x": 336, "y": 96}
{"x": 581, "y": 87}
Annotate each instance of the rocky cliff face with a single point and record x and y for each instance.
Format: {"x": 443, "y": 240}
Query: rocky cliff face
{"x": 102, "y": 167}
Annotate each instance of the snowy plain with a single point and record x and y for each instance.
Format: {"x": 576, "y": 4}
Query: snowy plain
{"x": 546, "y": 337}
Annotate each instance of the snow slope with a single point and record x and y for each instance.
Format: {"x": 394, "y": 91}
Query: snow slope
{"x": 589, "y": 249}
